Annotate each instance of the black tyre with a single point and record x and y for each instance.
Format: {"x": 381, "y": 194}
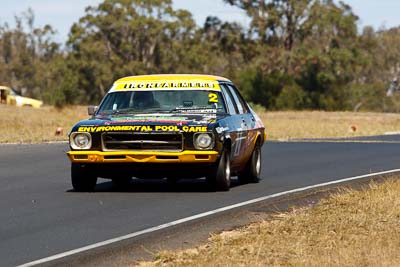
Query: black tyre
{"x": 220, "y": 178}
{"x": 82, "y": 178}
{"x": 122, "y": 183}
{"x": 171, "y": 180}
{"x": 252, "y": 171}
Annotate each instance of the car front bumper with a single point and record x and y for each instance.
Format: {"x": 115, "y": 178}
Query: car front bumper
{"x": 187, "y": 156}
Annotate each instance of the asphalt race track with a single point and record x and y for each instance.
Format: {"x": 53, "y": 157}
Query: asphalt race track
{"x": 41, "y": 215}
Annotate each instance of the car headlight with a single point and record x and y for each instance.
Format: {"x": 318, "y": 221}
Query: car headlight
{"x": 203, "y": 141}
{"x": 80, "y": 140}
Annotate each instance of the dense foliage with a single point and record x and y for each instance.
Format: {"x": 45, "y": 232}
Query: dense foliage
{"x": 294, "y": 54}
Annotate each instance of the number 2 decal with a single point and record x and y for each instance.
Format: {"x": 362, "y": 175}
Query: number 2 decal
{"x": 212, "y": 98}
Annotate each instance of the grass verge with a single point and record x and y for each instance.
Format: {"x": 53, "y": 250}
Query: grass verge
{"x": 320, "y": 124}
{"x": 28, "y": 125}
{"x": 352, "y": 228}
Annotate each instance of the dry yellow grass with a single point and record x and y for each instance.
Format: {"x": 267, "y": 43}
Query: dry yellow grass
{"x": 354, "y": 228}
{"x": 29, "y": 125}
{"x": 319, "y": 124}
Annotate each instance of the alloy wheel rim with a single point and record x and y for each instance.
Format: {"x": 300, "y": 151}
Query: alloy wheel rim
{"x": 227, "y": 169}
{"x": 258, "y": 163}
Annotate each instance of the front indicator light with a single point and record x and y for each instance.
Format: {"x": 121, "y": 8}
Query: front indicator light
{"x": 93, "y": 158}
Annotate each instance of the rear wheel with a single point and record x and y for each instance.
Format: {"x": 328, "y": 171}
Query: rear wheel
{"x": 252, "y": 171}
{"x": 82, "y": 177}
{"x": 220, "y": 179}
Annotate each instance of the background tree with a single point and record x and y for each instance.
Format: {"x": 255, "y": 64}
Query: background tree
{"x": 119, "y": 38}
{"x": 294, "y": 54}
{"x": 27, "y": 57}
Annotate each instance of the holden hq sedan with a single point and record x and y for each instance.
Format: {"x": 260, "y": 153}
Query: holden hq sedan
{"x": 168, "y": 127}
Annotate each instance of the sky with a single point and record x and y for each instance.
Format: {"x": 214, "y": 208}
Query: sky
{"x": 62, "y": 14}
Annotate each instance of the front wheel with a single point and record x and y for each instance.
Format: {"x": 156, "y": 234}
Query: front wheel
{"x": 82, "y": 178}
{"x": 252, "y": 171}
{"x": 221, "y": 176}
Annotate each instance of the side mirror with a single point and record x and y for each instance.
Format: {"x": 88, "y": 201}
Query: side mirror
{"x": 92, "y": 110}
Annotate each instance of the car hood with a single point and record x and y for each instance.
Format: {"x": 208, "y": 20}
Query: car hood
{"x": 148, "y": 122}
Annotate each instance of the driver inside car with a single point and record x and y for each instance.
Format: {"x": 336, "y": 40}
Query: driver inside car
{"x": 143, "y": 100}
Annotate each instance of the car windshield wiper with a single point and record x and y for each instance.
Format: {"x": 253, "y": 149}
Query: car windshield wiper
{"x": 121, "y": 112}
{"x": 200, "y": 109}
{"x": 193, "y": 109}
{"x": 197, "y": 108}
{"x": 134, "y": 111}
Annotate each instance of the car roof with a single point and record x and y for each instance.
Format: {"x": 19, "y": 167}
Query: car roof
{"x": 168, "y": 82}
{"x": 171, "y": 77}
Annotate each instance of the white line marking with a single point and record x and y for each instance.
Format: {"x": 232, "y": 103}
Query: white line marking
{"x": 33, "y": 144}
{"x": 198, "y": 216}
{"x": 391, "y": 133}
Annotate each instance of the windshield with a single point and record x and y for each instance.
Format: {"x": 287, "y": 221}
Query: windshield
{"x": 145, "y": 101}
{"x": 13, "y": 92}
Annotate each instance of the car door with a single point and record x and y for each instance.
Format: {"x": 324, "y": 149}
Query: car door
{"x": 238, "y": 128}
{"x": 247, "y": 122}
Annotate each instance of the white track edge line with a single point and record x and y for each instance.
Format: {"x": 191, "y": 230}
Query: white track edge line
{"x": 34, "y": 144}
{"x": 197, "y": 216}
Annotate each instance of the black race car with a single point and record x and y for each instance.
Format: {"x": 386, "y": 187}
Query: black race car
{"x": 168, "y": 126}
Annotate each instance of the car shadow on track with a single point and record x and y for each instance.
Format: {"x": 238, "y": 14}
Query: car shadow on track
{"x": 158, "y": 185}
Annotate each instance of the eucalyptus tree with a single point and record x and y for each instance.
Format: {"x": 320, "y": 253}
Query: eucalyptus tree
{"x": 128, "y": 37}
{"x": 305, "y": 54}
{"x": 25, "y": 52}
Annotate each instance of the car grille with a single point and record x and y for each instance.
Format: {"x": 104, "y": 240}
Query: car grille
{"x": 142, "y": 141}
